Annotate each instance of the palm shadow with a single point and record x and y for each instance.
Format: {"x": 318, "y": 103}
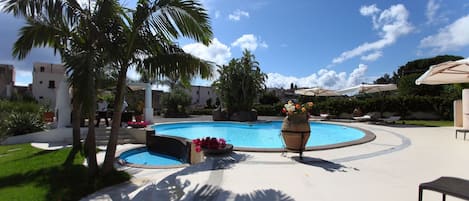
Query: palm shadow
{"x": 172, "y": 188}
{"x": 324, "y": 164}
{"x": 211, "y": 192}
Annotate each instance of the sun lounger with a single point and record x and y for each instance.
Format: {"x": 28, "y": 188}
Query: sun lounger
{"x": 326, "y": 116}
{"x": 363, "y": 118}
{"x": 447, "y": 186}
{"x": 391, "y": 119}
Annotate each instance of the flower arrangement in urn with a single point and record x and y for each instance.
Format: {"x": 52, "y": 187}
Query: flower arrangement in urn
{"x": 295, "y": 127}
{"x": 296, "y": 111}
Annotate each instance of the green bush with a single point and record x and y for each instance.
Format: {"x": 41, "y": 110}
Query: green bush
{"x": 176, "y": 101}
{"x": 269, "y": 110}
{"x": 18, "y": 118}
{"x": 401, "y": 105}
{"x": 269, "y": 98}
{"x": 205, "y": 111}
{"x": 19, "y": 123}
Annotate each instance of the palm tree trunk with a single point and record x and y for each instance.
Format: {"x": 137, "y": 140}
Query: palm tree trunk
{"x": 108, "y": 164}
{"x": 76, "y": 118}
{"x": 90, "y": 144}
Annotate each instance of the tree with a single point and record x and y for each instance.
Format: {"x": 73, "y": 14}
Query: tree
{"x": 269, "y": 98}
{"x": 421, "y": 65}
{"x": 77, "y": 32}
{"x": 240, "y": 82}
{"x": 385, "y": 79}
{"x": 145, "y": 41}
{"x": 407, "y": 74}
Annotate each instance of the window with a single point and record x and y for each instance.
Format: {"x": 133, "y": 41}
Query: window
{"x": 40, "y": 82}
{"x": 42, "y": 69}
{"x": 51, "y": 84}
{"x": 40, "y": 97}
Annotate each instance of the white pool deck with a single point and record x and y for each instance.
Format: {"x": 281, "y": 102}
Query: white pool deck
{"x": 389, "y": 168}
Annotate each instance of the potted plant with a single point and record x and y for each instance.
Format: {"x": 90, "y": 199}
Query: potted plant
{"x": 48, "y": 114}
{"x": 295, "y": 126}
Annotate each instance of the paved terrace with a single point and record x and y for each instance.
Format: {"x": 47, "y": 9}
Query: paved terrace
{"x": 389, "y": 168}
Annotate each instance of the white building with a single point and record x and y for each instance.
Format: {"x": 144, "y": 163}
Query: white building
{"x": 200, "y": 95}
{"x": 46, "y": 80}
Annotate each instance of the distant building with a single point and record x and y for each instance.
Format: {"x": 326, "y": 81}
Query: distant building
{"x": 200, "y": 95}
{"x": 46, "y": 78}
{"x": 7, "y": 80}
{"x": 284, "y": 94}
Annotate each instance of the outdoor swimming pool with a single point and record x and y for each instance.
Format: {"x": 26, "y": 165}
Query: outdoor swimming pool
{"x": 141, "y": 156}
{"x": 264, "y": 135}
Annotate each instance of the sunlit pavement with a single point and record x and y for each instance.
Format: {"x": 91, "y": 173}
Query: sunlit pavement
{"x": 389, "y": 168}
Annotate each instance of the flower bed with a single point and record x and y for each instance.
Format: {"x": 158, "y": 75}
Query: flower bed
{"x": 212, "y": 146}
{"x": 138, "y": 124}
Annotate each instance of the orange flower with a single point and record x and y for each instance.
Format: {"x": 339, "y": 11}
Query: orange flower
{"x": 297, "y": 106}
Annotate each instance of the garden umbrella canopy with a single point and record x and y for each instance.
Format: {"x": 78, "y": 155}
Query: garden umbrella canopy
{"x": 316, "y": 91}
{"x": 367, "y": 88}
{"x": 446, "y": 73}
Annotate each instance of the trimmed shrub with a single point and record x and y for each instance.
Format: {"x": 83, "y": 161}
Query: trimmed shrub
{"x": 206, "y": 111}
{"x": 269, "y": 110}
{"x": 19, "y": 123}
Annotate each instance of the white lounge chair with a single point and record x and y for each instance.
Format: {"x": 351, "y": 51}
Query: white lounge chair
{"x": 391, "y": 119}
{"x": 363, "y": 118}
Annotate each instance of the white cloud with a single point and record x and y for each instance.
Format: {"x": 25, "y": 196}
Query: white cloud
{"x": 432, "y": 7}
{"x": 451, "y": 37}
{"x": 372, "y": 57}
{"x": 433, "y": 17}
{"x": 369, "y": 10}
{"x": 217, "y": 14}
{"x": 392, "y": 24}
{"x": 133, "y": 74}
{"x": 323, "y": 78}
{"x": 249, "y": 42}
{"x": 216, "y": 52}
{"x": 237, "y": 14}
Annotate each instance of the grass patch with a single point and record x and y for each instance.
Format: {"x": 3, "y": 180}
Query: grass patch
{"x": 426, "y": 123}
{"x": 28, "y": 173}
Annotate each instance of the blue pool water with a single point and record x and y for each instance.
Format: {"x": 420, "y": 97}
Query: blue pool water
{"x": 142, "y": 156}
{"x": 258, "y": 135}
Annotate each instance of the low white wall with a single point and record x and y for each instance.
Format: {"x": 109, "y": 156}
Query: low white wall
{"x": 54, "y": 135}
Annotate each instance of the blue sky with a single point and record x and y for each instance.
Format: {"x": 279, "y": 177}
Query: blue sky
{"x": 332, "y": 44}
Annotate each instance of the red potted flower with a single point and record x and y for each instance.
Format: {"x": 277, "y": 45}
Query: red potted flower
{"x": 212, "y": 145}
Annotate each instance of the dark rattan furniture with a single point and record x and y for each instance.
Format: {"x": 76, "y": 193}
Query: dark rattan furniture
{"x": 461, "y": 131}
{"x": 447, "y": 186}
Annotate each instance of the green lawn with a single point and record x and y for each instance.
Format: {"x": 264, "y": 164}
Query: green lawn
{"x": 27, "y": 173}
{"x": 426, "y": 123}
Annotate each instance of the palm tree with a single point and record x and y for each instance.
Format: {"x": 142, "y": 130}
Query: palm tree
{"x": 146, "y": 40}
{"x": 77, "y": 32}
{"x": 240, "y": 82}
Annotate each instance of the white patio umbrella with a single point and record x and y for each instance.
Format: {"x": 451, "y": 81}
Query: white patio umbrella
{"x": 367, "y": 88}
{"x": 316, "y": 91}
{"x": 449, "y": 72}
